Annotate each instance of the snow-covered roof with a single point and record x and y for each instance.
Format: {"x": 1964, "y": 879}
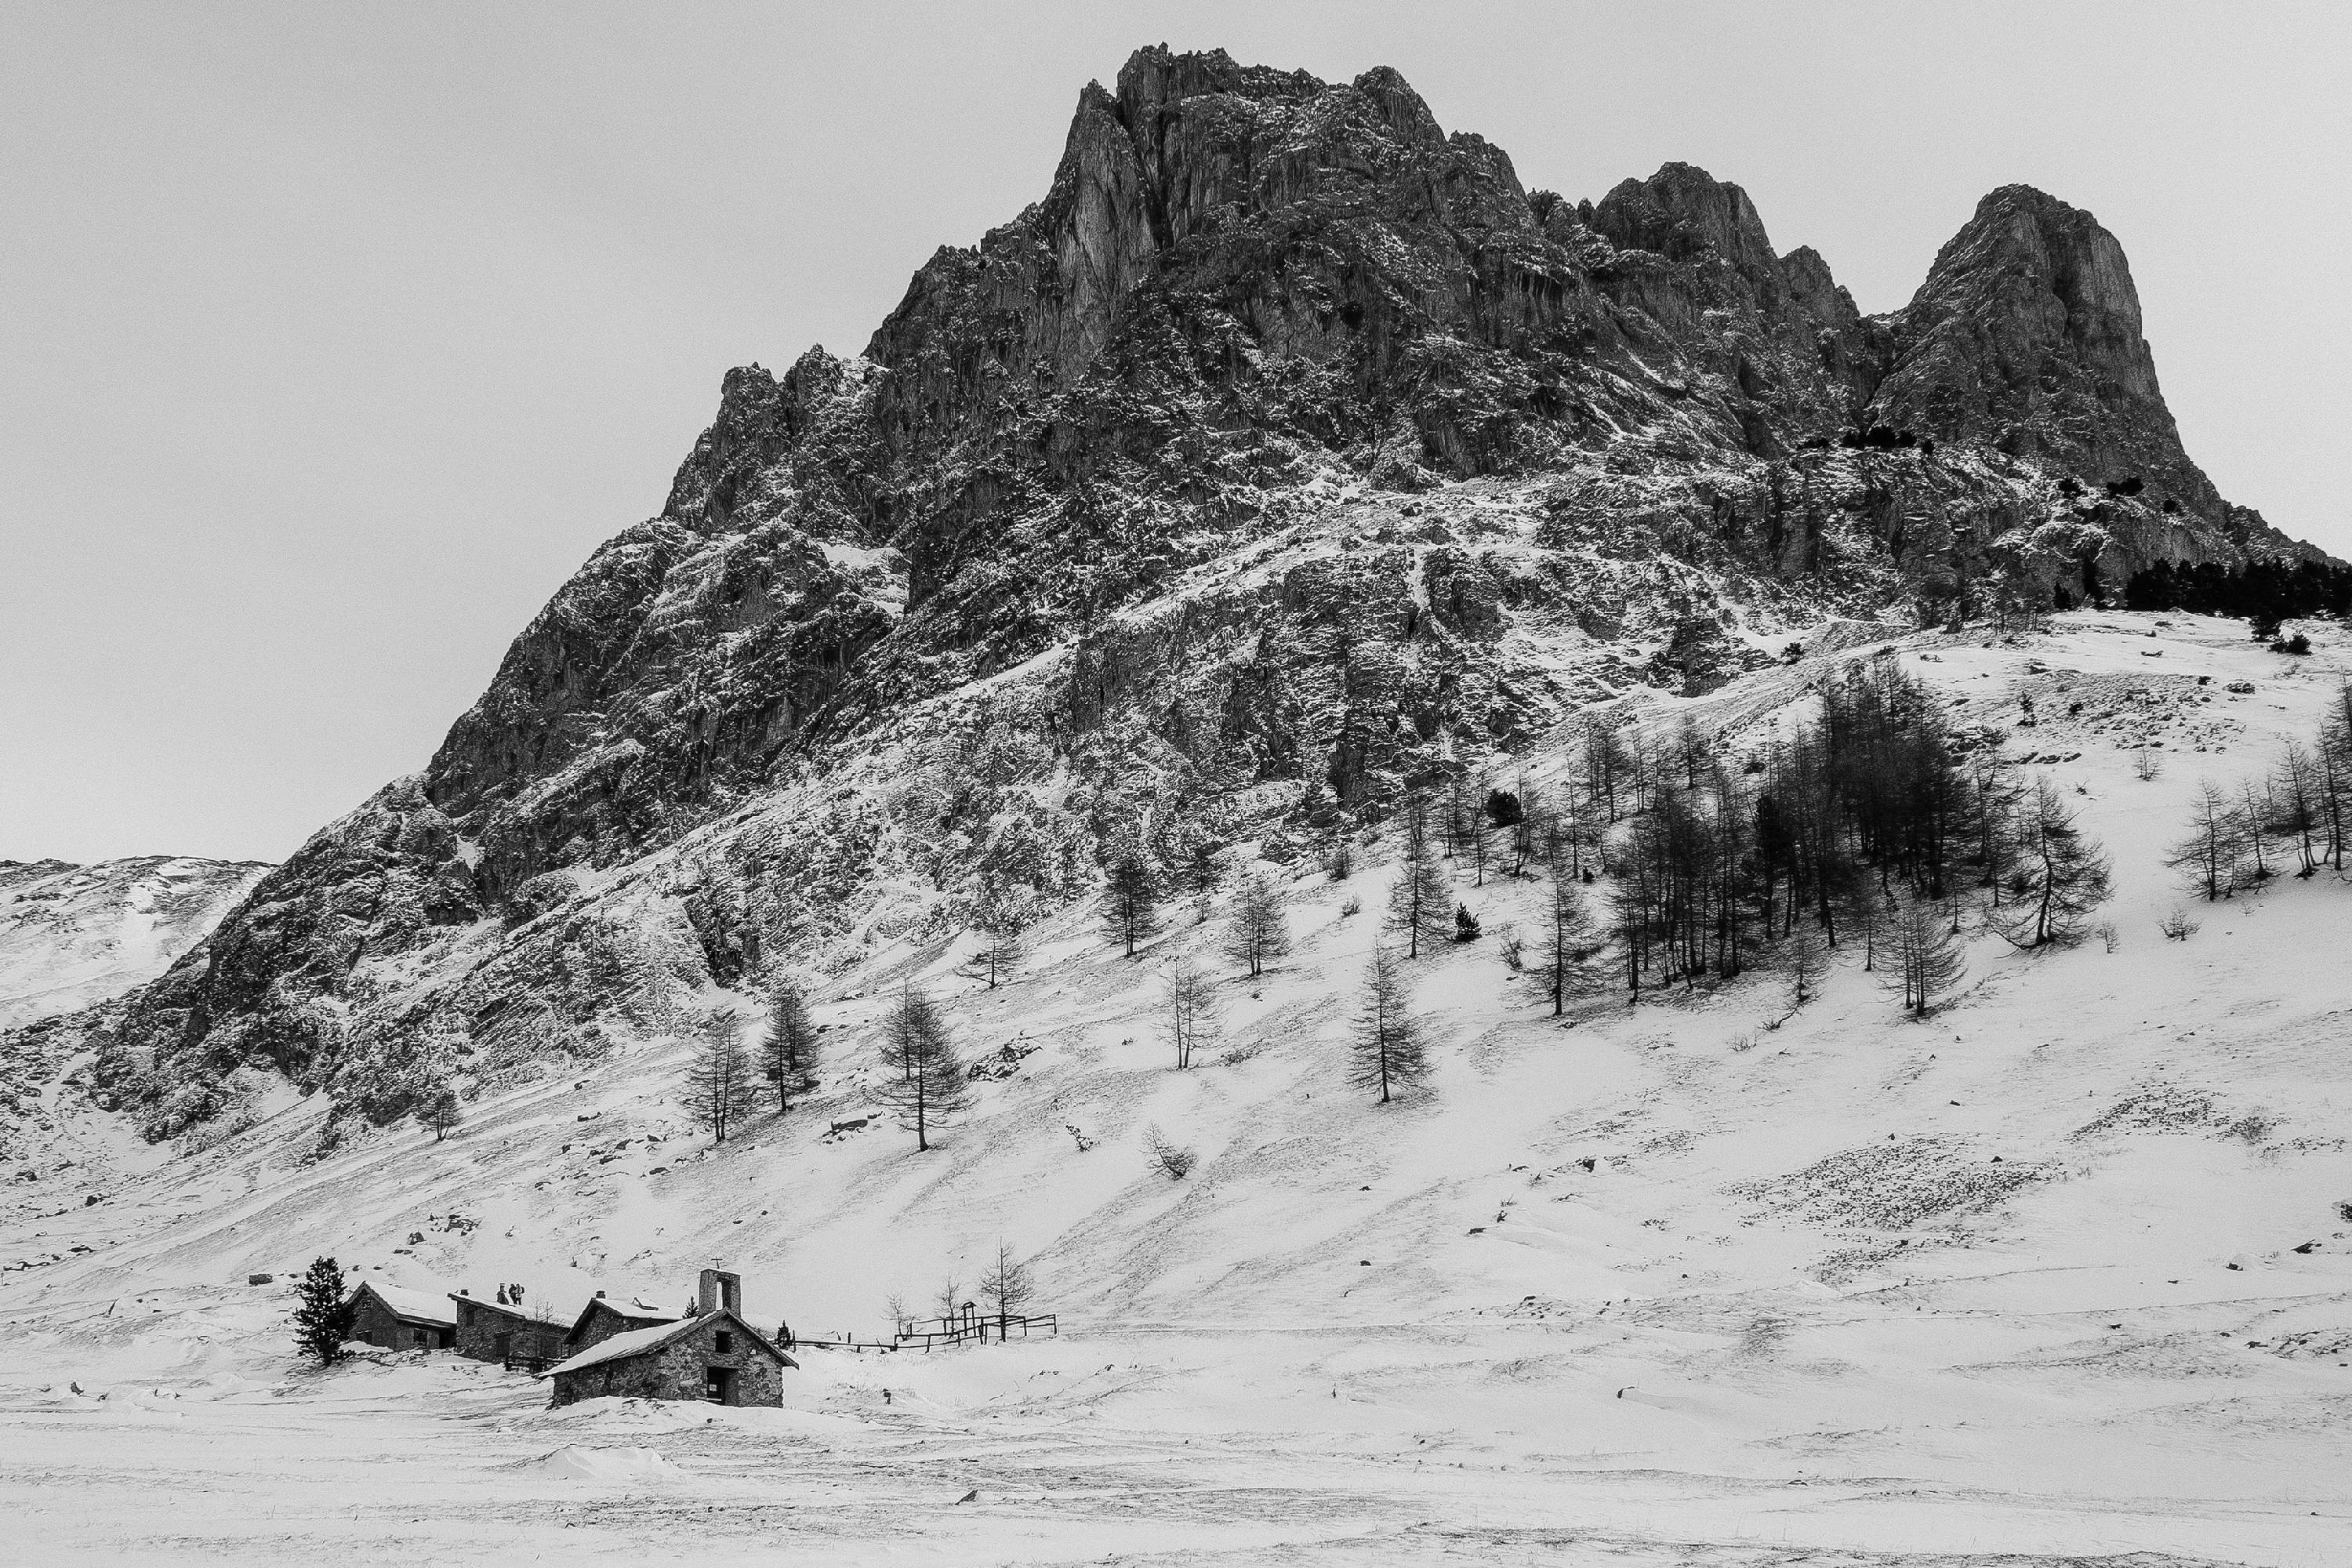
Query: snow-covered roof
{"x": 423, "y": 1306}
{"x": 636, "y": 1342}
{"x": 635, "y": 1307}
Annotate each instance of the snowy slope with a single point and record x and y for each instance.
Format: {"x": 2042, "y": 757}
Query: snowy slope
{"x": 71, "y": 935}
{"x": 1663, "y": 1285}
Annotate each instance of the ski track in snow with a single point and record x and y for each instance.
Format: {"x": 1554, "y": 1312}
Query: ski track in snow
{"x": 1794, "y": 1312}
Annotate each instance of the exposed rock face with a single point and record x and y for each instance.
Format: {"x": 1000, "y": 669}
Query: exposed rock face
{"x": 1287, "y": 449}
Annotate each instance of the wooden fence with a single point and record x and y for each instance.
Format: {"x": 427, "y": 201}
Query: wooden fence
{"x": 967, "y": 1329}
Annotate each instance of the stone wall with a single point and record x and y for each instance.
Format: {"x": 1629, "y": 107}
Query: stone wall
{"x": 373, "y": 1322}
{"x": 676, "y": 1370}
{"x": 481, "y": 1326}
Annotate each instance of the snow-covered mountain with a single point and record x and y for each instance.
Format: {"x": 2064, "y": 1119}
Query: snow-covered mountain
{"x": 1287, "y": 461}
{"x": 1287, "y": 454}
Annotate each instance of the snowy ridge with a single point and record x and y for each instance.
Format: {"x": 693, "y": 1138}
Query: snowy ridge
{"x": 71, "y": 935}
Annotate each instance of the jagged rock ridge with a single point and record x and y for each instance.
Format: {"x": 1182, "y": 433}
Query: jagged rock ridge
{"x": 1286, "y": 451}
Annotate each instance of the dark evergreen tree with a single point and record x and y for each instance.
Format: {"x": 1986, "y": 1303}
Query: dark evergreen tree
{"x": 440, "y": 1111}
{"x": 322, "y": 1311}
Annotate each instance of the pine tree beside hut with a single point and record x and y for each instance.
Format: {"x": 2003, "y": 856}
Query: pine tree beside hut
{"x": 323, "y": 1311}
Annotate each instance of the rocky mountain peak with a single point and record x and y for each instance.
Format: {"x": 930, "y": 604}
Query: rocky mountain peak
{"x": 2027, "y": 334}
{"x": 1230, "y": 484}
{"x": 1682, "y": 210}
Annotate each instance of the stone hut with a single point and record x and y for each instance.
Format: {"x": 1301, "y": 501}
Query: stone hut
{"x": 401, "y": 1320}
{"x": 491, "y": 1330}
{"x": 713, "y": 1355}
{"x": 606, "y": 1316}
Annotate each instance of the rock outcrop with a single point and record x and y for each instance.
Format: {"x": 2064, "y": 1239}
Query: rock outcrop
{"x": 1229, "y": 487}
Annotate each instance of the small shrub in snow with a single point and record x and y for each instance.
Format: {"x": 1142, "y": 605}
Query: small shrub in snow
{"x": 2252, "y": 1128}
{"x": 1351, "y": 906}
{"x": 1513, "y": 947}
{"x": 1465, "y": 924}
{"x": 2176, "y": 926}
{"x": 1177, "y": 1162}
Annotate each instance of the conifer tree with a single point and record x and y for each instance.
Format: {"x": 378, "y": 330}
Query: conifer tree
{"x": 1421, "y": 905}
{"x": 1130, "y": 900}
{"x": 323, "y": 1313}
{"x": 1568, "y": 936}
{"x": 1604, "y": 766}
{"x": 1527, "y": 833}
{"x": 1927, "y": 956}
{"x": 718, "y": 1079}
{"x": 2254, "y": 825}
{"x": 440, "y": 1111}
{"x": 788, "y": 1050}
{"x": 1475, "y": 828}
{"x": 2333, "y": 761}
{"x": 2296, "y": 791}
{"x": 923, "y": 1081}
{"x": 1189, "y": 1012}
{"x": 1004, "y": 949}
{"x": 1007, "y": 1286}
{"x": 1807, "y": 959}
{"x": 2212, "y": 851}
{"x": 1390, "y": 1051}
{"x": 1260, "y": 932}
{"x": 2060, "y": 877}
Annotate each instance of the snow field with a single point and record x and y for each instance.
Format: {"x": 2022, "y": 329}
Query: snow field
{"x": 1795, "y": 1304}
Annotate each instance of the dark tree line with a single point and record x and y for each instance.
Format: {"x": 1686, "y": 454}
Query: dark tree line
{"x": 2263, "y": 592}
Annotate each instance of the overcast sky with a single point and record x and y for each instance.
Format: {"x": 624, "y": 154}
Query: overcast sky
{"x": 333, "y": 337}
